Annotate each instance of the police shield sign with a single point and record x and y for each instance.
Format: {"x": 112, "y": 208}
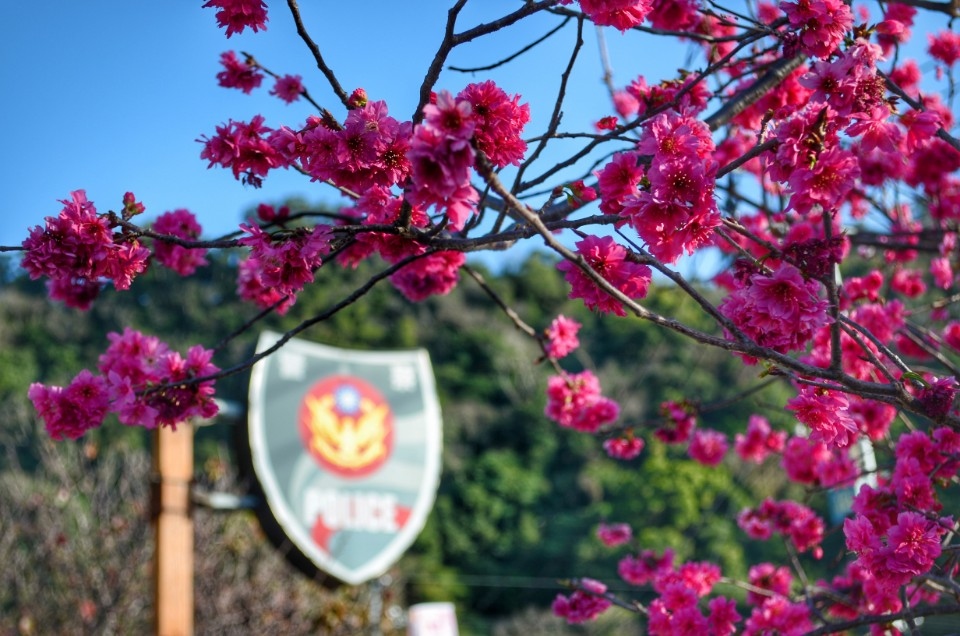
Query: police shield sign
{"x": 346, "y": 446}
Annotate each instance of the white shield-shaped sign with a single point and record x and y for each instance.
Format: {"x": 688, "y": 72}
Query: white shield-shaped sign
{"x": 346, "y": 447}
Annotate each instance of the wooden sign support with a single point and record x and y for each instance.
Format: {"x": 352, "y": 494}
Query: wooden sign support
{"x": 173, "y": 527}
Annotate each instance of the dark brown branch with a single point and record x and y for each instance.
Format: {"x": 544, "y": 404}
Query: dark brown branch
{"x": 315, "y": 50}
{"x": 749, "y": 95}
{"x": 557, "y": 110}
{"x": 951, "y": 9}
{"x": 894, "y": 88}
{"x": 937, "y": 610}
{"x": 510, "y": 58}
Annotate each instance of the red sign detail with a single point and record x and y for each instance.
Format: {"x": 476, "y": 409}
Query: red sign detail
{"x": 346, "y": 425}
{"x": 321, "y": 534}
{"x": 402, "y": 516}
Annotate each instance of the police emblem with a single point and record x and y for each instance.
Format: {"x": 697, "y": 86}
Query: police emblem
{"x": 346, "y": 448}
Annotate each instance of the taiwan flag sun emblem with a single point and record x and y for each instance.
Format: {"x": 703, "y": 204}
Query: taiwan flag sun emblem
{"x": 346, "y": 448}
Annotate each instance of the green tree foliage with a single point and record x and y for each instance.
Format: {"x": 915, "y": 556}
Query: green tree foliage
{"x": 519, "y": 498}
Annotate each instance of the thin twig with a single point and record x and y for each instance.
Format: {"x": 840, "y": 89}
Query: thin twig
{"x": 315, "y": 50}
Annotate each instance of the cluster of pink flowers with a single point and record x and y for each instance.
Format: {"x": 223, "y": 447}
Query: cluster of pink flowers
{"x": 614, "y": 534}
{"x": 574, "y": 401}
{"x": 944, "y": 46}
{"x": 562, "y": 337}
{"x": 676, "y": 608}
{"x": 819, "y": 173}
{"x": 442, "y": 152}
{"x": 821, "y": 24}
{"x": 180, "y": 224}
{"x": 897, "y": 553}
{"x": 441, "y": 157}
{"x": 237, "y": 74}
{"x": 619, "y": 180}
{"x": 289, "y": 88}
{"x": 794, "y": 520}
{"x": 826, "y": 414}
{"x": 500, "y": 120}
{"x": 610, "y": 261}
{"x": 69, "y": 412}
{"x": 781, "y": 311}
{"x": 625, "y": 448}
{"x": 368, "y": 149}
{"x": 645, "y": 567}
{"x": 679, "y": 422}
{"x": 677, "y": 611}
{"x": 777, "y": 615}
{"x": 244, "y": 148}
{"x": 237, "y": 15}
{"x": 621, "y": 14}
{"x": 280, "y": 265}
{"x": 433, "y": 275}
{"x": 141, "y": 380}
{"x": 759, "y": 440}
{"x": 775, "y": 581}
{"x": 708, "y": 447}
{"x": 677, "y": 212}
{"x": 77, "y": 249}
{"x": 584, "y": 604}
{"x": 379, "y": 206}
{"x": 806, "y": 461}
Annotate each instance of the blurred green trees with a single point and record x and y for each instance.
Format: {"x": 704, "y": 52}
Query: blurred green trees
{"x": 519, "y": 498}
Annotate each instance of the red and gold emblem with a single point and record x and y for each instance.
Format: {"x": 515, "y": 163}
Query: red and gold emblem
{"x": 347, "y": 426}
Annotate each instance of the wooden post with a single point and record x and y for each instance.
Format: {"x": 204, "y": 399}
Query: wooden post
{"x": 173, "y": 528}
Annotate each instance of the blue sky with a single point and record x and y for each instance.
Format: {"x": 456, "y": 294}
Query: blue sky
{"x": 110, "y": 95}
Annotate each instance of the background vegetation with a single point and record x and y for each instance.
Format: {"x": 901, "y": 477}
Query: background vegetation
{"x": 519, "y": 498}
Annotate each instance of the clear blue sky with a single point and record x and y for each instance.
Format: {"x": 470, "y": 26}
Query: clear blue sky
{"x": 110, "y": 96}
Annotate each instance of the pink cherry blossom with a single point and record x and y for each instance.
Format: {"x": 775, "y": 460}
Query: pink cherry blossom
{"x": 180, "y": 224}
{"x": 723, "y": 616}
{"x": 237, "y": 74}
{"x": 777, "y": 615}
{"x": 78, "y": 248}
{"x": 236, "y": 15}
{"x": 287, "y": 261}
{"x": 679, "y": 422}
{"x": 794, "y": 520}
{"x": 621, "y": 14}
{"x": 289, "y": 88}
{"x": 675, "y": 612}
{"x": 821, "y": 24}
{"x": 781, "y": 311}
{"x": 936, "y": 399}
{"x": 708, "y": 447}
{"x": 433, "y": 275}
{"x": 645, "y": 567}
{"x": 584, "y": 604}
{"x": 574, "y": 401}
{"x": 773, "y": 579}
{"x": 624, "y": 448}
{"x": 618, "y": 180}
{"x": 609, "y": 260}
{"x": 825, "y": 413}
{"x": 244, "y": 148}
{"x": 614, "y": 534}
{"x": 69, "y": 412}
{"x": 499, "y": 121}
{"x": 562, "y": 337}
{"x": 944, "y": 46}
{"x": 759, "y": 440}
{"x": 250, "y": 287}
